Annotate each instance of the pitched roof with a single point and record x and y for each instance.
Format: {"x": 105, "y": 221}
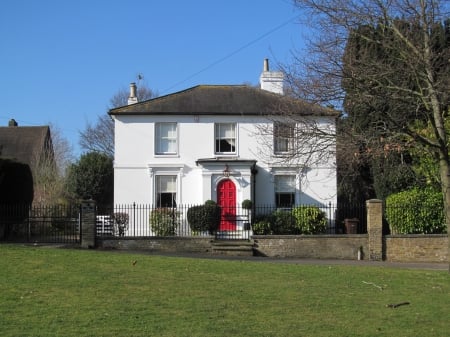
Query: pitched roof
{"x": 23, "y": 143}
{"x": 221, "y": 100}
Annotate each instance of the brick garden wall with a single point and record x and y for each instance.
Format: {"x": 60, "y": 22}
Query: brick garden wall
{"x": 415, "y": 248}
{"x": 159, "y": 244}
{"x": 373, "y": 245}
{"x": 311, "y": 246}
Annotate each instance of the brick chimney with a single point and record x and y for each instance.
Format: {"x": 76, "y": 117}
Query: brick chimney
{"x": 272, "y": 81}
{"x": 132, "y": 99}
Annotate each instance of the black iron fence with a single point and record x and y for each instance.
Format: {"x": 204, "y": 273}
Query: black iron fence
{"x": 229, "y": 222}
{"x": 40, "y": 223}
{"x": 62, "y": 223}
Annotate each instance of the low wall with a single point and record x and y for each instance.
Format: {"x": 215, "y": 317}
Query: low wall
{"x": 343, "y": 247}
{"x": 396, "y": 248}
{"x": 416, "y": 248}
{"x": 159, "y": 244}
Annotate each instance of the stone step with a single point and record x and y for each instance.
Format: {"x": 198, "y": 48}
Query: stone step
{"x": 232, "y": 247}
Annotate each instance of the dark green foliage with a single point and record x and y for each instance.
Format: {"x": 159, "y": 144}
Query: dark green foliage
{"x": 283, "y": 223}
{"x": 16, "y": 183}
{"x": 392, "y": 173}
{"x": 247, "y": 204}
{"x": 164, "y": 221}
{"x": 416, "y": 211}
{"x": 92, "y": 177}
{"x": 205, "y": 217}
{"x": 381, "y": 103}
{"x": 16, "y": 194}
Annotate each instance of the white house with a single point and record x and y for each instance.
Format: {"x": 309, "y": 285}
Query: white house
{"x": 211, "y": 142}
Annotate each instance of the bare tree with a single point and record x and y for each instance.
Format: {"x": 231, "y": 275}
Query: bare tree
{"x": 412, "y": 76}
{"x": 99, "y": 136}
{"x": 299, "y": 134}
{"x": 49, "y": 168}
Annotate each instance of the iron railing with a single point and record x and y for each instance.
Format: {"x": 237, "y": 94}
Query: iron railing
{"x": 40, "y": 223}
{"x": 235, "y": 222}
{"x": 62, "y": 223}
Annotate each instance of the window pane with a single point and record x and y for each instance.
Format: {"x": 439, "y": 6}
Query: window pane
{"x": 166, "y": 188}
{"x": 167, "y": 184}
{"x": 285, "y": 199}
{"x": 225, "y": 135}
{"x": 166, "y": 138}
{"x": 283, "y": 137}
{"x": 285, "y": 183}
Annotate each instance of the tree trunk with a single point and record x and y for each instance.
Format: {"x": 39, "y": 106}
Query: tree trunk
{"x": 444, "y": 168}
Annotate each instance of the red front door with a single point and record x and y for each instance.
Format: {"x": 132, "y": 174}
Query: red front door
{"x": 226, "y": 198}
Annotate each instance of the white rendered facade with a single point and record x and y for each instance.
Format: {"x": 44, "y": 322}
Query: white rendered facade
{"x": 183, "y": 158}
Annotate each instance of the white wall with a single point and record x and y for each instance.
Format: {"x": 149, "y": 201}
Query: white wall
{"x": 134, "y": 154}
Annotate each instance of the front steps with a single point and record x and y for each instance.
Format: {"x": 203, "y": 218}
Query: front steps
{"x": 232, "y": 247}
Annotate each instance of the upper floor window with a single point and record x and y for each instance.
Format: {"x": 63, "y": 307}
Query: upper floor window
{"x": 285, "y": 190}
{"x": 166, "y": 191}
{"x": 225, "y": 137}
{"x": 283, "y": 137}
{"x": 166, "y": 138}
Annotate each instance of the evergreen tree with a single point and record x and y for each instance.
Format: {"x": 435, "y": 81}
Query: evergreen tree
{"x": 92, "y": 177}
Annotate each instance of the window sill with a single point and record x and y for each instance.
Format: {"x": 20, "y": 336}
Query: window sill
{"x": 169, "y": 155}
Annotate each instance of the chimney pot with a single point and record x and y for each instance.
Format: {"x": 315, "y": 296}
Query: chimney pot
{"x": 132, "y": 99}
{"x": 12, "y": 122}
{"x": 266, "y": 65}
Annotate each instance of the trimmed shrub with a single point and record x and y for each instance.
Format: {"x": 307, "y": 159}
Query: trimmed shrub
{"x": 204, "y": 218}
{"x": 416, "y": 211}
{"x": 247, "y": 204}
{"x": 309, "y": 220}
{"x": 164, "y": 221}
{"x": 283, "y": 223}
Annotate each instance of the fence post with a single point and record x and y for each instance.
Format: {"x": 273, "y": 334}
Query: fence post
{"x": 375, "y": 229}
{"x": 88, "y": 222}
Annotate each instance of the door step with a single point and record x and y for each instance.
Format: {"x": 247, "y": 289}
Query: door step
{"x": 232, "y": 247}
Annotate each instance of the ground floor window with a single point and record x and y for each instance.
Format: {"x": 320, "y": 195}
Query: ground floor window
{"x": 285, "y": 190}
{"x": 166, "y": 191}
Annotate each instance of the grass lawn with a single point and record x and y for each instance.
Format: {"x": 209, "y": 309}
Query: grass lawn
{"x": 63, "y": 292}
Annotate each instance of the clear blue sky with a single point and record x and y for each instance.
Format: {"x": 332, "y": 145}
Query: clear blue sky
{"x": 62, "y": 60}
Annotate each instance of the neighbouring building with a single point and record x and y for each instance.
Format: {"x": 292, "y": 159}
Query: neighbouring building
{"x": 31, "y": 145}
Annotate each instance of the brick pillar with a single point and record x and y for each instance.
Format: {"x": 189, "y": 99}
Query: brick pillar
{"x": 88, "y": 220}
{"x": 375, "y": 229}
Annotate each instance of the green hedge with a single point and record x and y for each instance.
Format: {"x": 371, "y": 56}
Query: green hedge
{"x": 310, "y": 219}
{"x": 416, "y": 211}
{"x": 300, "y": 220}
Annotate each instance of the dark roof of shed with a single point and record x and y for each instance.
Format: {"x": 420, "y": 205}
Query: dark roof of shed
{"x": 221, "y": 100}
{"x": 23, "y": 143}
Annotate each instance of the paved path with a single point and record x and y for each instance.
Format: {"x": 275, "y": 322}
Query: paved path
{"x": 305, "y": 261}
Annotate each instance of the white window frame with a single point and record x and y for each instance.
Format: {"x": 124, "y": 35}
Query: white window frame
{"x": 218, "y": 137}
{"x": 170, "y": 136}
